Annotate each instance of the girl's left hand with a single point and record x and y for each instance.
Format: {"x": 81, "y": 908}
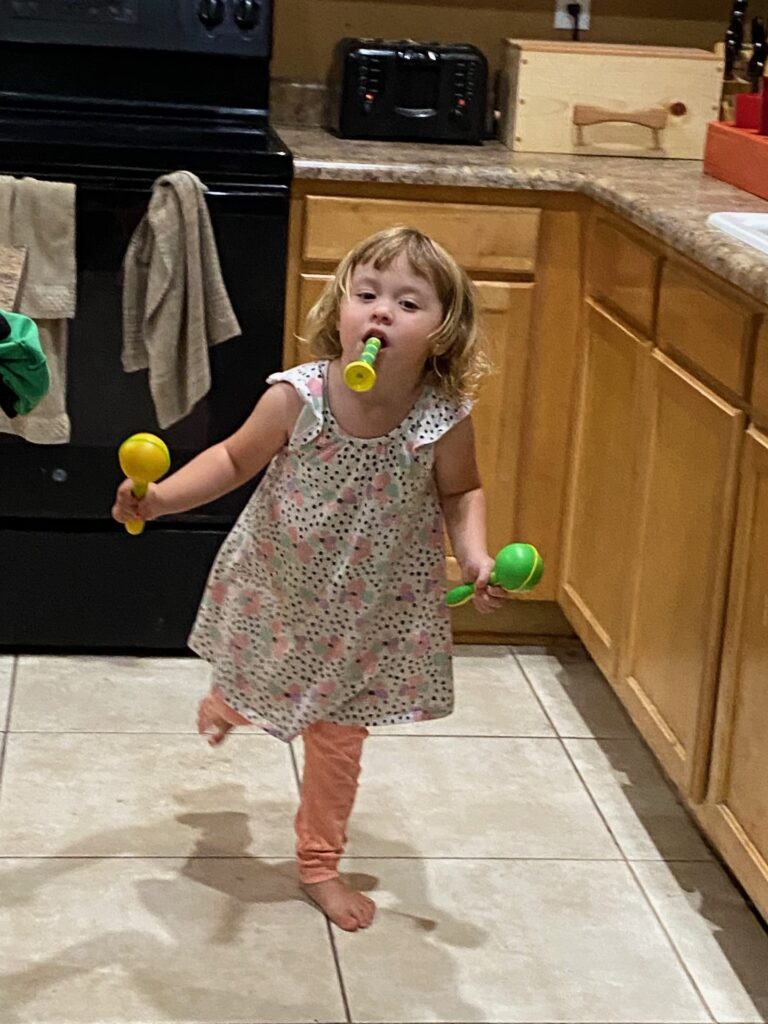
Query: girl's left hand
{"x": 478, "y": 570}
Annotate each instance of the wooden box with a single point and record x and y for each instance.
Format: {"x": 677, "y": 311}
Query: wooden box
{"x": 608, "y": 100}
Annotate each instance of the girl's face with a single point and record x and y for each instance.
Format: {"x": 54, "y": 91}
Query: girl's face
{"x": 397, "y": 306}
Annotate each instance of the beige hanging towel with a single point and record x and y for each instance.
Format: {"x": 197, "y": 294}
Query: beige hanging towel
{"x": 174, "y": 301}
{"x": 40, "y": 216}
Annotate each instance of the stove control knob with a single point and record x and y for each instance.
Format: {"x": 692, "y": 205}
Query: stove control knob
{"x": 247, "y": 14}
{"x": 211, "y": 12}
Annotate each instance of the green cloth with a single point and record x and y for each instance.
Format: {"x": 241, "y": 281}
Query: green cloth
{"x": 23, "y": 366}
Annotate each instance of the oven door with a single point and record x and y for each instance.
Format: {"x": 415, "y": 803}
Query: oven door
{"x": 105, "y": 404}
{"x": 73, "y": 578}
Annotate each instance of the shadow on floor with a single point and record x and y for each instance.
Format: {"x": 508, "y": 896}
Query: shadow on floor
{"x": 742, "y": 939}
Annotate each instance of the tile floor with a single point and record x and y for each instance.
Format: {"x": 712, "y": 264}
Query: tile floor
{"x": 529, "y": 862}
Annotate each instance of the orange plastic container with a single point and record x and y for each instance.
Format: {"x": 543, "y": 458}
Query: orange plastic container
{"x": 738, "y": 156}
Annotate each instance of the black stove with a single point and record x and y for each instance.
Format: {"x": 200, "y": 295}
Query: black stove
{"x": 238, "y": 28}
{"x": 139, "y": 84}
{"x": 110, "y": 95}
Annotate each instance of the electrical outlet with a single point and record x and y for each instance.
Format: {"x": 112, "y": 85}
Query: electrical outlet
{"x": 563, "y": 18}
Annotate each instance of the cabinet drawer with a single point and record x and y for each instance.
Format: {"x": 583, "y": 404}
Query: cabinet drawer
{"x": 759, "y": 397}
{"x": 498, "y": 239}
{"x": 709, "y": 328}
{"x": 623, "y": 275}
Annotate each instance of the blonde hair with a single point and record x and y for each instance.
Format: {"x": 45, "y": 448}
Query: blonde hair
{"x": 457, "y": 363}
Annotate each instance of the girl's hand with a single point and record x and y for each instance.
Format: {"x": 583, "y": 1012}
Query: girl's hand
{"x": 127, "y": 506}
{"x": 477, "y": 570}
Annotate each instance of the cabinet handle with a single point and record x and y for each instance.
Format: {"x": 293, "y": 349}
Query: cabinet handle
{"x": 654, "y": 118}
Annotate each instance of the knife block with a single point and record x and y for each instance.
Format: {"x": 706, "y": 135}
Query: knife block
{"x": 738, "y": 156}
{"x": 607, "y": 100}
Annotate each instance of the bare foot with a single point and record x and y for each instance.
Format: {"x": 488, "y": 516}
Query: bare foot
{"x": 348, "y": 909}
{"x": 215, "y": 719}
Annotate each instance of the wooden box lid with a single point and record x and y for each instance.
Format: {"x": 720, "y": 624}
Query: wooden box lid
{"x": 611, "y": 49}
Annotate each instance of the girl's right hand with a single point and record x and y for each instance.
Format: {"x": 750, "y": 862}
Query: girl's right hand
{"x": 127, "y": 506}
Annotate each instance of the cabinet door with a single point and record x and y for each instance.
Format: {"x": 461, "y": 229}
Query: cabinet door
{"x": 603, "y": 484}
{"x": 670, "y": 659}
{"x": 309, "y": 291}
{"x": 505, "y": 318}
{"x": 736, "y": 809}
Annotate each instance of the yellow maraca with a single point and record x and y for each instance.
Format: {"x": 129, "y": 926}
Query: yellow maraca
{"x": 360, "y": 375}
{"x": 144, "y": 458}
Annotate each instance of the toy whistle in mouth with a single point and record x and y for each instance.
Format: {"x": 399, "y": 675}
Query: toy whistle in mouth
{"x": 361, "y": 375}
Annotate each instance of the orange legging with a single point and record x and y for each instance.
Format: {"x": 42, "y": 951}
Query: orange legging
{"x": 331, "y": 769}
{"x": 328, "y": 788}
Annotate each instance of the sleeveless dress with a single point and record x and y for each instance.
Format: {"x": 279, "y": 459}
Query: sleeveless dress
{"x": 326, "y": 599}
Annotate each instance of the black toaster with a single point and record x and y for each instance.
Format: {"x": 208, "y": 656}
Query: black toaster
{"x": 432, "y": 92}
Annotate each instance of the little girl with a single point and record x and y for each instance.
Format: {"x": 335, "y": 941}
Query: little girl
{"x": 324, "y": 612}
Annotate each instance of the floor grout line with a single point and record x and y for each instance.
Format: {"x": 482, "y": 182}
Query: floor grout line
{"x": 373, "y": 735}
{"x": 346, "y": 857}
{"x": 563, "y": 747}
{"x": 7, "y": 731}
{"x": 644, "y": 895}
{"x": 339, "y": 974}
{"x": 329, "y": 929}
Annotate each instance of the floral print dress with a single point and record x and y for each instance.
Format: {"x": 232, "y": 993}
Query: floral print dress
{"x": 326, "y": 599}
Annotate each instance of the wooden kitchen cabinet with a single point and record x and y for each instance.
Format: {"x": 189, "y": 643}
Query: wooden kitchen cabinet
{"x": 310, "y": 288}
{"x": 691, "y": 551}
{"x": 488, "y": 241}
{"x": 486, "y": 238}
{"x": 601, "y": 503}
{"x": 718, "y": 342}
{"x": 669, "y": 659}
{"x": 505, "y": 317}
{"x": 497, "y": 246}
{"x": 735, "y": 812}
{"x": 758, "y": 403}
{"x": 524, "y": 253}
{"x": 622, "y": 272}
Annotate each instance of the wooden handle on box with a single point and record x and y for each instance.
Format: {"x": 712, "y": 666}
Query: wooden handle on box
{"x": 654, "y": 118}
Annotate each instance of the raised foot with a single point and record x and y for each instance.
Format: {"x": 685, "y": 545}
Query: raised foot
{"x": 347, "y": 908}
{"x": 215, "y": 719}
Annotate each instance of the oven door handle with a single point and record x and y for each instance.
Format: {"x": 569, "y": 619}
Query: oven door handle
{"x": 135, "y": 186}
{"x": 212, "y": 193}
{"x": 264, "y": 199}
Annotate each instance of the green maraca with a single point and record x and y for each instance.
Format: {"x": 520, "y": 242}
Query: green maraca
{"x": 518, "y": 567}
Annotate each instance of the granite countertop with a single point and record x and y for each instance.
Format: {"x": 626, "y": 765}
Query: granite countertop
{"x": 671, "y": 199}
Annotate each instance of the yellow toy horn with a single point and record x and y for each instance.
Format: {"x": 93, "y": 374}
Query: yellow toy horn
{"x": 361, "y": 375}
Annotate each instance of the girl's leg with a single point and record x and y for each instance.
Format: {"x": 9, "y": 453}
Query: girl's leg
{"x": 329, "y": 784}
{"x": 215, "y": 717}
